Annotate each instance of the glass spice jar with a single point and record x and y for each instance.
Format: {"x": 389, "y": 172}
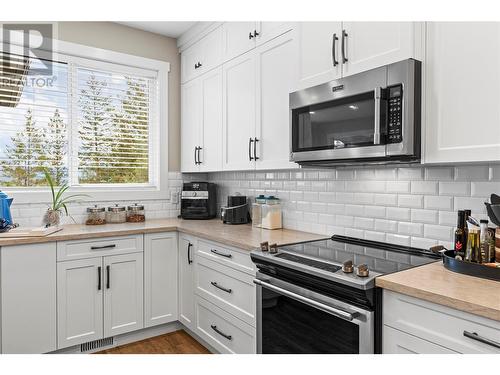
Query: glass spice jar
{"x": 116, "y": 214}
{"x": 135, "y": 214}
{"x": 96, "y": 215}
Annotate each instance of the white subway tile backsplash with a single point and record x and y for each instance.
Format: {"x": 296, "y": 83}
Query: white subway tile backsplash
{"x": 398, "y": 187}
{"x": 454, "y": 188}
{"x": 413, "y": 229}
{"x": 385, "y": 199}
{"x": 424, "y": 216}
{"x": 413, "y": 201}
{"x": 495, "y": 172}
{"x": 398, "y": 213}
{"x": 364, "y": 223}
{"x": 410, "y": 174}
{"x": 484, "y": 189}
{"x": 472, "y": 173}
{"x": 398, "y": 239}
{"x": 422, "y": 243}
{"x": 345, "y": 174}
{"x": 375, "y": 211}
{"x": 386, "y": 225}
{"x": 438, "y": 202}
{"x": 424, "y": 187}
{"x": 439, "y": 232}
{"x": 439, "y": 173}
{"x": 354, "y": 210}
{"x": 474, "y": 204}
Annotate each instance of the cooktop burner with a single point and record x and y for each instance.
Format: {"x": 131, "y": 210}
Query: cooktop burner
{"x": 309, "y": 262}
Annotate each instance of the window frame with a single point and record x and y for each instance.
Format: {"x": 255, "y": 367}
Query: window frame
{"x": 157, "y": 188}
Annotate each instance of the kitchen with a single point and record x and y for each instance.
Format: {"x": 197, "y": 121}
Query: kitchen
{"x": 250, "y": 187}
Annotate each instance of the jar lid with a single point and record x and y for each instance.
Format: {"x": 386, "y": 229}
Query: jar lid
{"x": 95, "y": 209}
{"x": 116, "y": 208}
{"x": 136, "y": 207}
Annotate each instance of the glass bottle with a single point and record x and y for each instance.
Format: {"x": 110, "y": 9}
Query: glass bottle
{"x": 460, "y": 235}
{"x": 473, "y": 249}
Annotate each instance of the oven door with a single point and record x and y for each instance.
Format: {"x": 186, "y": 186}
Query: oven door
{"x": 294, "y": 320}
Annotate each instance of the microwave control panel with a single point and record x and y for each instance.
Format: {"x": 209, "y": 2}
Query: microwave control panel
{"x": 395, "y": 113}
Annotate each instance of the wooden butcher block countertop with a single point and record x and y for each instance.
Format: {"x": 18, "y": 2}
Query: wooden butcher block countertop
{"x": 243, "y": 236}
{"x": 434, "y": 283}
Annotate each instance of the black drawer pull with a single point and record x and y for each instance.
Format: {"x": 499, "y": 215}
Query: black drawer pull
{"x": 484, "y": 340}
{"x": 102, "y": 247}
{"x": 221, "y": 254}
{"x": 108, "y": 277}
{"x": 99, "y": 278}
{"x": 189, "y": 253}
{"x": 221, "y": 287}
{"x": 250, "y": 157}
{"x": 250, "y": 35}
{"x": 214, "y": 327}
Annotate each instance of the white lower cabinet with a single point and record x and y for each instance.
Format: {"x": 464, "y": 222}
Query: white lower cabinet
{"x": 28, "y": 298}
{"x": 414, "y": 325}
{"x": 160, "y": 278}
{"x": 187, "y": 249}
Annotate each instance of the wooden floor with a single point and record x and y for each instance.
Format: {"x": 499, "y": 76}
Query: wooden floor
{"x": 178, "y": 342}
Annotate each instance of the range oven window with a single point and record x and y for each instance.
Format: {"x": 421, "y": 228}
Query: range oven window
{"x": 292, "y": 327}
{"x": 341, "y": 123}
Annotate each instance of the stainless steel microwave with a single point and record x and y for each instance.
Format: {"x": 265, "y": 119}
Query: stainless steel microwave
{"x": 370, "y": 117}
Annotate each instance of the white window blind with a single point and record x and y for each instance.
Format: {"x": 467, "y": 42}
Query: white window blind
{"x": 93, "y": 124}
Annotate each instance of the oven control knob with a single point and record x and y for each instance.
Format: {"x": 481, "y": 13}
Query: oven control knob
{"x": 362, "y": 270}
{"x": 347, "y": 266}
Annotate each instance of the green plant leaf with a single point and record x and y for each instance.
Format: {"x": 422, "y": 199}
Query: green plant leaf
{"x": 65, "y": 208}
{"x": 61, "y": 192}
{"x": 51, "y": 184}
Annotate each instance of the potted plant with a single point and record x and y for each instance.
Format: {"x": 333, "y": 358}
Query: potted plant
{"x": 59, "y": 201}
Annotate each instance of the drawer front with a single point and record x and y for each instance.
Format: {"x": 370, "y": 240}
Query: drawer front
{"x": 232, "y": 290}
{"x": 238, "y": 259}
{"x": 82, "y": 249}
{"x": 223, "y": 331}
{"x": 398, "y": 342}
{"x": 439, "y": 324}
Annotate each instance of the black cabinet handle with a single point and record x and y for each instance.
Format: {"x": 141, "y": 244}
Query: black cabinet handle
{"x": 221, "y": 254}
{"x": 221, "y": 287}
{"x": 189, "y": 253}
{"x": 255, "y": 149}
{"x": 102, "y": 247}
{"x": 250, "y": 35}
{"x": 250, "y": 140}
{"x": 255, "y": 34}
{"x": 214, "y": 327}
{"x": 484, "y": 340}
{"x": 99, "y": 278}
{"x": 334, "y": 58}
{"x": 198, "y": 65}
{"x": 108, "y": 277}
{"x": 195, "y": 155}
{"x": 343, "y": 46}
{"x": 199, "y": 158}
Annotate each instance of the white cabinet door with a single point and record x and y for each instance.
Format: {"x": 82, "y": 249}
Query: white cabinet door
{"x": 211, "y": 113}
{"x": 189, "y": 62}
{"x": 369, "y": 45}
{"x": 80, "y": 287}
{"x": 123, "y": 294}
{"x": 160, "y": 277}
{"x": 269, "y": 30}
{"x": 276, "y": 78}
{"x": 190, "y": 125}
{"x": 319, "y": 57}
{"x": 239, "y": 106}
{"x": 28, "y": 298}
{"x": 462, "y": 92}
{"x": 238, "y": 38}
{"x": 399, "y": 342}
{"x": 186, "y": 281}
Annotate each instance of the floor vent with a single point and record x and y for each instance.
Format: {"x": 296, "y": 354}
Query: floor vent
{"x": 96, "y": 344}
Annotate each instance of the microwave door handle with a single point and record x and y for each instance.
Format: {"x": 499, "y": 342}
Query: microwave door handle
{"x": 376, "y": 131}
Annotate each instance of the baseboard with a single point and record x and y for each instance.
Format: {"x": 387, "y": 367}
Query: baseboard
{"x": 130, "y": 337}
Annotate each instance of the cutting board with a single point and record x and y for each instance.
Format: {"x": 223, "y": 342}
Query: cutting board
{"x": 30, "y": 232}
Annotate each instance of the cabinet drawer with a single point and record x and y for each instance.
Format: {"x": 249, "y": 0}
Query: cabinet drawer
{"x": 233, "y": 258}
{"x": 398, "y": 342}
{"x": 229, "y": 289}
{"x": 223, "y": 331}
{"x": 81, "y": 249}
{"x": 439, "y": 324}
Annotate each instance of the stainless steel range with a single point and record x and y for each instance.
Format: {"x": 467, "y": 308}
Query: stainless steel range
{"x": 320, "y": 296}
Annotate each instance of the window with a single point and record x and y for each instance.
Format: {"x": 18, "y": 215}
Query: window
{"x": 91, "y": 123}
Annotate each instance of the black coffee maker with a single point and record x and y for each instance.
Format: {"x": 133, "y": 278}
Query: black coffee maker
{"x": 236, "y": 211}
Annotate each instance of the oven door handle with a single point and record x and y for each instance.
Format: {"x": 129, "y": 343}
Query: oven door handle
{"x": 376, "y": 130}
{"x": 336, "y": 311}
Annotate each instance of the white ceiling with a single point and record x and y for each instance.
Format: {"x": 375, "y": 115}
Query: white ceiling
{"x": 172, "y": 29}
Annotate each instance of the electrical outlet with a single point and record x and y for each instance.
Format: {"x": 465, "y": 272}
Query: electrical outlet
{"x": 174, "y": 197}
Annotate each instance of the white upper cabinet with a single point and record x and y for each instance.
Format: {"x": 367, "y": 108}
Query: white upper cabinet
{"x": 202, "y": 56}
{"x": 276, "y": 78}
{"x": 462, "y": 92}
{"x": 319, "y": 58}
{"x": 239, "y": 111}
{"x": 367, "y": 45}
{"x": 160, "y": 278}
{"x": 269, "y": 30}
{"x": 190, "y": 125}
{"x": 238, "y": 38}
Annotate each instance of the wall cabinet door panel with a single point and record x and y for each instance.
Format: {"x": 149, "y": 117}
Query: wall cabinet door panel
{"x": 270, "y": 30}
{"x": 190, "y": 125}
{"x": 80, "y": 286}
{"x": 238, "y": 38}
{"x": 276, "y": 78}
{"x": 462, "y": 92}
{"x": 239, "y": 107}
{"x": 123, "y": 296}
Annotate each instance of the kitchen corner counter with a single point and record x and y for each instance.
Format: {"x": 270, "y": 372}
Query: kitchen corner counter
{"x": 242, "y": 236}
{"x": 434, "y": 283}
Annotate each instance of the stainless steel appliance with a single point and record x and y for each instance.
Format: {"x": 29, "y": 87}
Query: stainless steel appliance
{"x": 370, "y": 117}
{"x": 236, "y": 211}
{"x": 320, "y": 296}
{"x": 198, "y": 200}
